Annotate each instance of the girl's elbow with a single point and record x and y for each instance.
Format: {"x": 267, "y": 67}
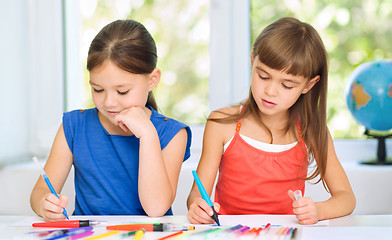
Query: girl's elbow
{"x": 349, "y": 203}
{"x": 155, "y": 212}
{"x": 353, "y": 204}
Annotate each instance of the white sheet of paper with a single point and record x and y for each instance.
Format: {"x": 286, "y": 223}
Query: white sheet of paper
{"x": 343, "y": 233}
{"x": 261, "y": 220}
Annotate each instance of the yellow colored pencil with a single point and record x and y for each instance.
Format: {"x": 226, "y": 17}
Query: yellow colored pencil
{"x": 139, "y": 234}
{"x": 103, "y": 235}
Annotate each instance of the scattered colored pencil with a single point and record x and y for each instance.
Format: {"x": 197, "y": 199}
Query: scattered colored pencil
{"x": 171, "y": 235}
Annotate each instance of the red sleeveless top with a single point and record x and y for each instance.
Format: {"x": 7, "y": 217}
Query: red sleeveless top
{"x": 252, "y": 181}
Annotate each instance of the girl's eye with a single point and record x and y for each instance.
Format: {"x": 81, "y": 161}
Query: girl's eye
{"x": 98, "y": 90}
{"x": 287, "y": 87}
{"x": 122, "y": 93}
{"x": 264, "y": 78}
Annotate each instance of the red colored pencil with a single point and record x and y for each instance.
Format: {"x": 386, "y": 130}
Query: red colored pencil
{"x": 66, "y": 224}
{"x": 267, "y": 226}
{"x": 171, "y": 235}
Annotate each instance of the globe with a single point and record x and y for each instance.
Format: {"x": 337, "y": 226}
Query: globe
{"x": 369, "y": 95}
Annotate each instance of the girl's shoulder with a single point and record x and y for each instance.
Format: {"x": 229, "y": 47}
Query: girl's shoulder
{"x": 222, "y": 123}
{"x": 81, "y": 112}
{"x": 161, "y": 121}
{"x": 225, "y": 112}
{"x": 80, "y": 116}
{"x": 167, "y": 128}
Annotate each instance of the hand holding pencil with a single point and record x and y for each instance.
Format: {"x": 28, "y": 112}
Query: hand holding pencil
{"x": 53, "y": 208}
{"x": 304, "y": 208}
{"x": 52, "y": 205}
{"x": 202, "y": 210}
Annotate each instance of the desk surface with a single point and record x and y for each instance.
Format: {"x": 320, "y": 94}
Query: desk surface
{"x": 349, "y": 227}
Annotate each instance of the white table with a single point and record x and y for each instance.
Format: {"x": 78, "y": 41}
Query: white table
{"x": 350, "y": 227}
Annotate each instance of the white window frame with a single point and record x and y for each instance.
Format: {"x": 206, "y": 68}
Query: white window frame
{"x": 32, "y": 78}
{"x": 230, "y": 47}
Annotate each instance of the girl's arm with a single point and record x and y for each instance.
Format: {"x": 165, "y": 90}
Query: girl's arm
{"x": 57, "y": 167}
{"x": 158, "y": 169}
{"x": 198, "y": 209}
{"x": 342, "y": 201}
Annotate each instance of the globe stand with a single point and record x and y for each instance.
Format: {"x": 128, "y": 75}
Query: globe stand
{"x": 381, "y": 150}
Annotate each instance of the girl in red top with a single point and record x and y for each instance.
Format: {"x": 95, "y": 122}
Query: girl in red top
{"x": 264, "y": 146}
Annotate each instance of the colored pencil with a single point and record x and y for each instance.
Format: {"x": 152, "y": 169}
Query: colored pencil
{"x": 103, "y": 235}
{"x": 139, "y": 234}
{"x": 171, "y": 235}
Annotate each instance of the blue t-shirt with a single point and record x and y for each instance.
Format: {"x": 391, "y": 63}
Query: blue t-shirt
{"x": 106, "y": 166}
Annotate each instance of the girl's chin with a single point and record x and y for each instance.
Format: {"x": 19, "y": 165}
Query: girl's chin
{"x": 107, "y": 117}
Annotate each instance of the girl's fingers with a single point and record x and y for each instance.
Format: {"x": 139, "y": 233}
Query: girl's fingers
{"x": 216, "y": 207}
{"x": 63, "y": 201}
{"x": 303, "y": 202}
{"x": 52, "y": 212}
{"x": 198, "y": 219}
{"x": 50, "y": 216}
{"x": 123, "y": 126}
{"x": 206, "y": 208}
{"x": 305, "y": 216}
{"x": 201, "y": 212}
{"x": 52, "y": 207}
{"x": 308, "y": 221}
{"x": 291, "y": 195}
{"x": 307, "y": 213}
{"x": 50, "y": 197}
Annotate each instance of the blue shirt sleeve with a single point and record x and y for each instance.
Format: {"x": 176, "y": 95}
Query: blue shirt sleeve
{"x": 167, "y": 128}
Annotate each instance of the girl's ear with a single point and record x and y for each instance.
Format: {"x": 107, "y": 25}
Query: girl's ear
{"x": 251, "y": 59}
{"x": 310, "y": 84}
{"x": 154, "y": 78}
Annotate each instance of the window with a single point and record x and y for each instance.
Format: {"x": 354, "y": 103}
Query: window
{"x": 42, "y": 71}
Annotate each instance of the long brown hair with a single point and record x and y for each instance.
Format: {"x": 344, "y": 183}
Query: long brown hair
{"x": 129, "y": 46}
{"x": 296, "y": 48}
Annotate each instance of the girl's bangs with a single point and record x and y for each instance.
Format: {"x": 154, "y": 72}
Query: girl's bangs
{"x": 293, "y": 60}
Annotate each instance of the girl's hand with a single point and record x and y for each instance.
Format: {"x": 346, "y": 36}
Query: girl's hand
{"x": 304, "y": 209}
{"x": 51, "y": 207}
{"x": 134, "y": 119}
{"x": 200, "y": 212}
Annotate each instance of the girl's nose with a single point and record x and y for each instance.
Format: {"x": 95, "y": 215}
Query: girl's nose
{"x": 110, "y": 100}
{"x": 271, "y": 89}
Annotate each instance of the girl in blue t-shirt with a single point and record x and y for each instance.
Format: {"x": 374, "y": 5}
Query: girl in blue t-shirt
{"x": 127, "y": 157}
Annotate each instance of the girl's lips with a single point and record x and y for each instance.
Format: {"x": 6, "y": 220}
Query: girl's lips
{"x": 268, "y": 103}
{"x": 113, "y": 113}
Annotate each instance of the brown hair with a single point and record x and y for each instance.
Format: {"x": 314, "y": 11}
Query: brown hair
{"x": 296, "y": 48}
{"x": 129, "y": 46}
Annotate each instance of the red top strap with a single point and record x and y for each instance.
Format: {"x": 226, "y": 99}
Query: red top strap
{"x": 237, "y": 129}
